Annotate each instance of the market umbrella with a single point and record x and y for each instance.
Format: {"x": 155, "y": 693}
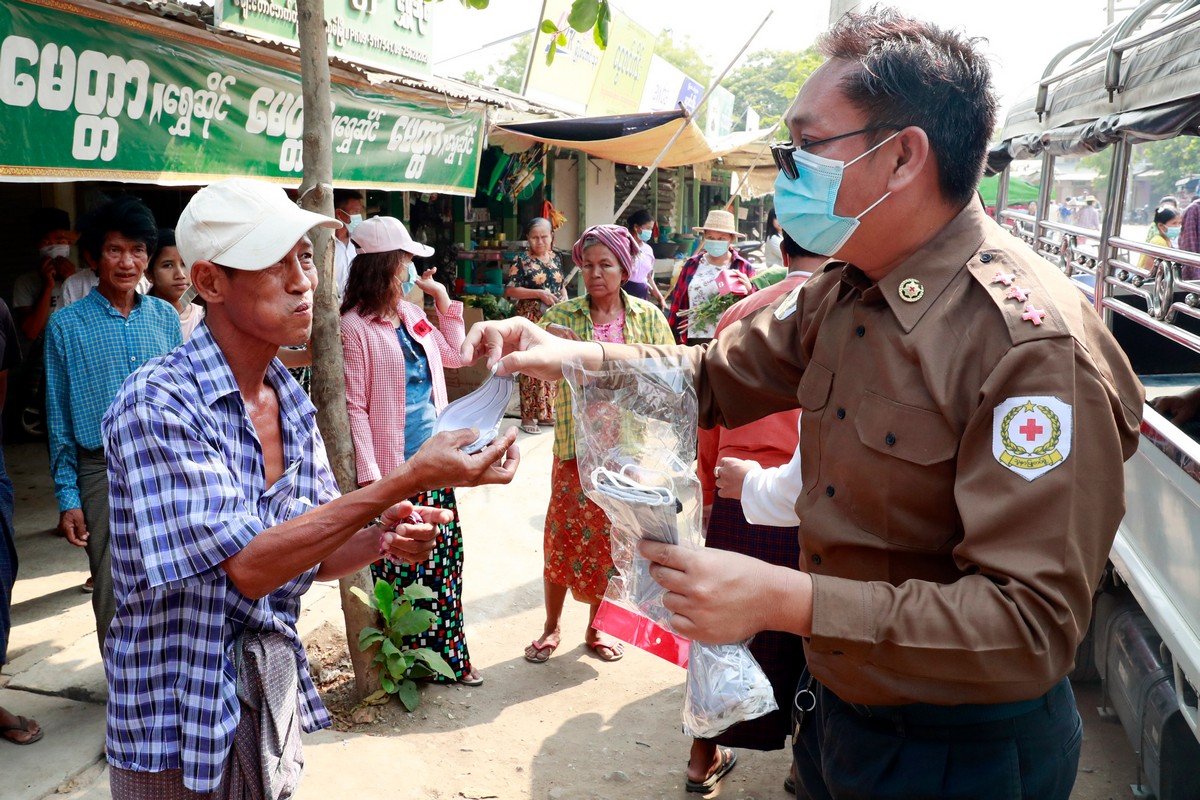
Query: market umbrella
{"x": 1019, "y": 192}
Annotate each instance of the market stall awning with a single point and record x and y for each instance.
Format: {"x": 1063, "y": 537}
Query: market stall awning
{"x": 635, "y": 139}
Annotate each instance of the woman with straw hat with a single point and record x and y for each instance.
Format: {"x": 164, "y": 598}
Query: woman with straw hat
{"x": 698, "y": 277}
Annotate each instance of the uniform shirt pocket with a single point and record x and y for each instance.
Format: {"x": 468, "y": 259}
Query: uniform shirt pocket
{"x": 903, "y": 491}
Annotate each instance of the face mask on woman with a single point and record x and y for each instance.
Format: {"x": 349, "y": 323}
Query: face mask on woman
{"x": 1172, "y": 233}
{"x": 716, "y": 249}
{"x": 644, "y": 234}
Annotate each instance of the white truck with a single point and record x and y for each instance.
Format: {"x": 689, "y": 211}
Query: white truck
{"x": 1117, "y": 118}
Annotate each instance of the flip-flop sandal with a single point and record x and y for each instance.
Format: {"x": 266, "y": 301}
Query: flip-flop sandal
{"x": 613, "y": 653}
{"x": 789, "y": 784}
{"x": 23, "y": 727}
{"x": 533, "y": 430}
{"x": 537, "y": 657}
{"x": 728, "y": 759}
{"x": 467, "y": 680}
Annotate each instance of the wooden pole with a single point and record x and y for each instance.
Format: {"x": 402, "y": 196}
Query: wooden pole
{"x": 687, "y": 117}
{"x": 328, "y": 370}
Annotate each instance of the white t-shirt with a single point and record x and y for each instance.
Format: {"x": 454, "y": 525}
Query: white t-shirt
{"x": 27, "y": 288}
{"x": 702, "y": 287}
{"x": 773, "y": 250}
{"x": 343, "y": 254}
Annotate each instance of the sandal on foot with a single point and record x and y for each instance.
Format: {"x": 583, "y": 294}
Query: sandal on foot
{"x": 614, "y": 651}
{"x": 789, "y": 784}
{"x": 532, "y": 429}
{"x": 727, "y": 758}
{"x": 472, "y": 678}
{"x": 536, "y": 656}
{"x": 22, "y": 726}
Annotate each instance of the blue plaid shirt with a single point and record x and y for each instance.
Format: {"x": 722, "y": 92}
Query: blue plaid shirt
{"x": 187, "y": 491}
{"x": 90, "y": 349}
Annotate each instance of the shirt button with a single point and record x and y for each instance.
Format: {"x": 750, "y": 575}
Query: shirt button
{"x": 816, "y": 559}
{"x": 860, "y": 331}
{"x": 985, "y": 258}
{"x": 890, "y": 439}
{"x": 829, "y": 491}
{"x": 841, "y": 413}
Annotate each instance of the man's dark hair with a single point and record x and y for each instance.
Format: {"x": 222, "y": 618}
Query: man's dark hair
{"x": 793, "y": 250}
{"x": 916, "y": 73}
{"x": 49, "y": 219}
{"x": 371, "y": 287}
{"x": 126, "y": 215}
{"x": 343, "y": 196}
{"x": 640, "y": 217}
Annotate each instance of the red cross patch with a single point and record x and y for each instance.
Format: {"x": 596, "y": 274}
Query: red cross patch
{"x": 1031, "y": 435}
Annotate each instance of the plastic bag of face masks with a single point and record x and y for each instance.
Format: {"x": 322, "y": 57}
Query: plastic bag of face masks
{"x": 635, "y": 441}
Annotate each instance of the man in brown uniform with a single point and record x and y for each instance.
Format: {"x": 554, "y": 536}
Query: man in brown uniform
{"x": 966, "y": 418}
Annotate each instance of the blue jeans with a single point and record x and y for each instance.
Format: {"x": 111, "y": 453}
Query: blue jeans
{"x": 845, "y": 752}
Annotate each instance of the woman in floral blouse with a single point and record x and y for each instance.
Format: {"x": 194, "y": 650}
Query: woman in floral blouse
{"x": 535, "y": 281}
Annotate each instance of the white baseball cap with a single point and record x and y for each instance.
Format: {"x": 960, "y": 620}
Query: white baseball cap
{"x": 384, "y": 234}
{"x": 243, "y": 223}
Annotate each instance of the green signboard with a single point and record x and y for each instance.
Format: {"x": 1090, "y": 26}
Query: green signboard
{"x": 84, "y": 97}
{"x": 389, "y": 34}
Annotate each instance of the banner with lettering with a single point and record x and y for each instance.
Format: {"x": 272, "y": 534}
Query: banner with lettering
{"x": 394, "y": 35}
{"x": 108, "y": 99}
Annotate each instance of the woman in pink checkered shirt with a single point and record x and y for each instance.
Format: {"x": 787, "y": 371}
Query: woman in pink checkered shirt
{"x": 395, "y": 387}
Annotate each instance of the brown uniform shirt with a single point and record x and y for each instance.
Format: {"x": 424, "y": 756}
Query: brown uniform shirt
{"x": 963, "y": 466}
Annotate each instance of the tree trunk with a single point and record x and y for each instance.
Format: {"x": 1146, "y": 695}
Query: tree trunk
{"x": 328, "y": 371}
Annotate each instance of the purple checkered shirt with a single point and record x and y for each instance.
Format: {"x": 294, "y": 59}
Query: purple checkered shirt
{"x": 187, "y": 492}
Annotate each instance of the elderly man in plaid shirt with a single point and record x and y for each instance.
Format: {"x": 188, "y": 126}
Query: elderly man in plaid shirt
{"x": 224, "y": 511}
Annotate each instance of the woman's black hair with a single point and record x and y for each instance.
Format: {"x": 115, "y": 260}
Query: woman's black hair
{"x": 640, "y": 217}
{"x": 166, "y": 238}
{"x": 770, "y": 228}
{"x": 1164, "y": 215}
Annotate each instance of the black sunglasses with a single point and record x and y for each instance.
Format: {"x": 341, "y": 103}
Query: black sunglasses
{"x": 782, "y": 153}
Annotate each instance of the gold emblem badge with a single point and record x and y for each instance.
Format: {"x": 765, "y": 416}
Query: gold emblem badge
{"x": 911, "y": 290}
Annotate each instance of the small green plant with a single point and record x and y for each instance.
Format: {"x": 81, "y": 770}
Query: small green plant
{"x": 398, "y": 665}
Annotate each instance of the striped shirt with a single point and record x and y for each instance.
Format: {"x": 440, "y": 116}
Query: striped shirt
{"x": 644, "y": 324}
{"x": 90, "y": 349}
{"x": 187, "y": 492}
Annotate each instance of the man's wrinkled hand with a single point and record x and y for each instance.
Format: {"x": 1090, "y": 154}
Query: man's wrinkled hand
{"x": 441, "y": 461}
{"x": 71, "y": 525}
{"x": 411, "y": 542}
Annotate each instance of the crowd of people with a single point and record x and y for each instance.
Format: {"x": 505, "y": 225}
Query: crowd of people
{"x": 916, "y": 637}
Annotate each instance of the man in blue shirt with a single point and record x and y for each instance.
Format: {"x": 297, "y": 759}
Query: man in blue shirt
{"x": 91, "y": 347}
{"x": 224, "y": 510}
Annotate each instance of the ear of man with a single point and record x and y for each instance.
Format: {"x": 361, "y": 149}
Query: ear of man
{"x": 911, "y": 159}
{"x": 210, "y": 280}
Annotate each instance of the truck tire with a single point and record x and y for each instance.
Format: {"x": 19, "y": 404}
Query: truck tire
{"x": 1086, "y": 670}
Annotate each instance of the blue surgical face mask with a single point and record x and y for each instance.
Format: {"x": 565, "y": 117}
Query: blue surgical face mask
{"x": 645, "y": 233}
{"x": 804, "y": 206}
{"x": 355, "y": 221}
{"x": 407, "y": 284}
{"x": 1173, "y": 233}
{"x": 716, "y": 249}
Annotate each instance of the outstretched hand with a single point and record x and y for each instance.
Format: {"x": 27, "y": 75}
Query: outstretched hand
{"x": 441, "y": 461}
{"x": 517, "y": 345}
{"x": 411, "y": 542}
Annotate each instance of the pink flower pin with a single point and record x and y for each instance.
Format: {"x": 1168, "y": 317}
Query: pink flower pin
{"x": 1032, "y": 314}
{"x": 1017, "y": 293}
{"x": 1004, "y": 277}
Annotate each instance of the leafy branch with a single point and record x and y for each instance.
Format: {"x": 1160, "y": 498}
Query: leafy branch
{"x": 400, "y": 666}
{"x": 585, "y": 15}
